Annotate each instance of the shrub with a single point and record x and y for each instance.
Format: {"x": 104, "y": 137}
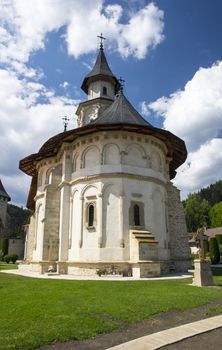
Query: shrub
{"x": 7, "y": 259}
{"x": 14, "y": 257}
{"x": 214, "y": 251}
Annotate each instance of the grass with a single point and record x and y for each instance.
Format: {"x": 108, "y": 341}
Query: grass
{"x": 38, "y": 311}
{"x": 4, "y": 266}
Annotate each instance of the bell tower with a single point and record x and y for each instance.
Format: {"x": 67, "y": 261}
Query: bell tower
{"x": 101, "y": 86}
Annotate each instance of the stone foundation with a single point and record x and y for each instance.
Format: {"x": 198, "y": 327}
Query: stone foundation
{"x": 37, "y": 267}
{"x": 141, "y": 269}
{"x": 146, "y": 269}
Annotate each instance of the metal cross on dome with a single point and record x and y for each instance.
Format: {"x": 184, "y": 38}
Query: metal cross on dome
{"x": 65, "y": 122}
{"x": 101, "y": 37}
{"x": 121, "y": 83}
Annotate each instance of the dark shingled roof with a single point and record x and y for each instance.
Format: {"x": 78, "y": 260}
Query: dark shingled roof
{"x": 122, "y": 112}
{"x": 3, "y": 192}
{"x": 100, "y": 70}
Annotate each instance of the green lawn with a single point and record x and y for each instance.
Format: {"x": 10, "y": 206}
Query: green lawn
{"x": 4, "y": 266}
{"x": 38, "y": 311}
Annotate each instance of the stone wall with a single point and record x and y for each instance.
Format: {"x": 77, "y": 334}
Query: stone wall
{"x": 51, "y": 224}
{"x": 30, "y": 239}
{"x": 16, "y": 246}
{"x": 179, "y": 247}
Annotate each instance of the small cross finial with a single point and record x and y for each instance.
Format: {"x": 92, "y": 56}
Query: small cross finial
{"x": 65, "y": 122}
{"x": 121, "y": 83}
{"x": 101, "y": 37}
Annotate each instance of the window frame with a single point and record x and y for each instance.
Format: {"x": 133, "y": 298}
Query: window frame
{"x": 104, "y": 91}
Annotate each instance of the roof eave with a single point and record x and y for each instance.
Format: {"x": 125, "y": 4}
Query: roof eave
{"x": 176, "y": 147}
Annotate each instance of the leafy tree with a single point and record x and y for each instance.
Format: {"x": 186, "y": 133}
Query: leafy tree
{"x": 214, "y": 251}
{"x": 196, "y": 212}
{"x": 216, "y": 215}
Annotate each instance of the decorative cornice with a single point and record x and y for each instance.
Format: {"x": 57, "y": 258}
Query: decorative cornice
{"x": 38, "y": 196}
{"x": 118, "y": 175}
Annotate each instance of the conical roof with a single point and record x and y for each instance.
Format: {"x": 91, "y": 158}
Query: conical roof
{"x": 3, "y": 192}
{"x": 101, "y": 69}
{"x": 121, "y": 112}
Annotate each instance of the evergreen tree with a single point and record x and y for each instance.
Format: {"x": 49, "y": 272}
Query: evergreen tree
{"x": 212, "y": 193}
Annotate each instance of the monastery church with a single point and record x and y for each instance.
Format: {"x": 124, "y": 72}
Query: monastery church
{"x": 101, "y": 193}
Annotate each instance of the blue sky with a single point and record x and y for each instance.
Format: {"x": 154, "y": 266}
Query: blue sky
{"x": 168, "y": 52}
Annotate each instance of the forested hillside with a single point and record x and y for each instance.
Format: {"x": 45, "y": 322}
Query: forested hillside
{"x": 212, "y": 193}
{"x": 204, "y": 208}
{"x": 16, "y": 218}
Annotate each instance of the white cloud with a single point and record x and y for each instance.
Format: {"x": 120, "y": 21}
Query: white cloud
{"x": 30, "y": 112}
{"x": 64, "y": 85}
{"x": 143, "y": 32}
{"x": 29, "y": 115}
{"x": 145, "y": 110}
{"x": 24, "y": 25}
{"x": 202, "y": 167}
{"x": 195, "y": 115}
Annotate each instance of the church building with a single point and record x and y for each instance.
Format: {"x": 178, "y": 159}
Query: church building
{"x": 101, "y": 194}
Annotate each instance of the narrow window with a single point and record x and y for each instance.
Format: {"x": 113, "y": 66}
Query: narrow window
{"x": 91, "y": 215}
{"x": 136, "y": 212}
{"x": 104, "y": 90}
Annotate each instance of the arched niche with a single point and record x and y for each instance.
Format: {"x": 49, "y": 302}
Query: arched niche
{"x": 156, "y": 161}
{"x": 76, "y": 162}
{"x": 91, "y": 157}
{"x": 111, "y": 154}
{"x": 135, "y": 155}
{"x": 48, "y": 178}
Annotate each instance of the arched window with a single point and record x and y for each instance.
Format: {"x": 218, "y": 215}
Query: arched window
{"x": 104, "y": 90}
{"x": 91, "y": 214}
{"x": 136, "y": 214}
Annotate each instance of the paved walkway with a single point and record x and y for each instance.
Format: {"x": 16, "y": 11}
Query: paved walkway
{"x": 94, "y": 278}
{"x": 172, "y": 335}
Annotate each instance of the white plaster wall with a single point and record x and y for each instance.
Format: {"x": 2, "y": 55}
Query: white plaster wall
{"x": 96, "y": 88}
{"x": 111, "y": 216}
{"x": 111, "y": 169}
{"x": 75, "y": 225}
{"x": 118, "y": 153}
